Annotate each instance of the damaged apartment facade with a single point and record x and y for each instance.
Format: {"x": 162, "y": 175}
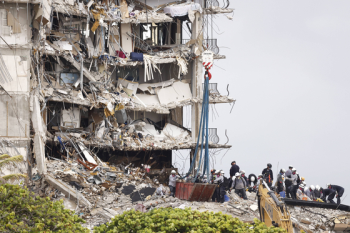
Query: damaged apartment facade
{"x": 104, "y": 80}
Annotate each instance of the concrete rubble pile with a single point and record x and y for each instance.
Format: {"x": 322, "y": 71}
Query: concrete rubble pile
{"x": 106, "y": 191}
{"x": 318, "y": 219}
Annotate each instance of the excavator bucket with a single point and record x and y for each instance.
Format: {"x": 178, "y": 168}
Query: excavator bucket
{"x": 194, "y": 191}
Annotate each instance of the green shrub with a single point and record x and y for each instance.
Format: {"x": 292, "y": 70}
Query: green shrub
{"x": 22, "y": 211}
{"x": 178, "y": 220}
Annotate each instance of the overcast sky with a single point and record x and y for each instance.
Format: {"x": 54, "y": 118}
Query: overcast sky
{"x": 287, "y": 63}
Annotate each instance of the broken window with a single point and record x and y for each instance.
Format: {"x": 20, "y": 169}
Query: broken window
{"x": 161, "y": 33}
{"x": 4, "y": 29}
{"x": 69, "y": 78}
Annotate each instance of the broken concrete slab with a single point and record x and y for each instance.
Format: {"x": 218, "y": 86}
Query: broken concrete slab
{"x": 179, "y": 91}
{"x": 67, "y": 190}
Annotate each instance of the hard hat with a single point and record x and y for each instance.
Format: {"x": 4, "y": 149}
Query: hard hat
{"x": 205, "y": 176}
{"x": 242, "y": 172}
{"x": 302, "y": 178}
{"x": 259, "y": 175}
{"x": 304, "y": 183}
{"x": 173, "y": 172}
{"x": 312, "y": 187}
{"x": 317, "y": 187}
{"x": 252, "y": 178}
{"x": 294, "y": 169}
{"x": 290, "y": 166}
{"x": 306, "y": 188}
{"x": 282, "y": 170}
{"x": 237, "y": 174}
{"x": 269, "y": 165}
{"x": 302, "y": 186}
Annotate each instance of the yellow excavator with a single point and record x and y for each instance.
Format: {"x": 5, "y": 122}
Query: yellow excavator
{"x": 273, "y": 211}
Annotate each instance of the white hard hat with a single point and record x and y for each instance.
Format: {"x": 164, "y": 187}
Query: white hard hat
{"x": 252, "y": 178}
{"x": 237, "y": 174}
{"x": 312, "y": 187}
{"x": 242, "y": 172}
{"x": 173, "y": 172}
{"x": 301, "y": 186}
{"x": 291, "y": 166}
{"x": 222, "y": 172}
{"x": 259, "y": 175}
{"x": 205, "y": 176}
{"x": 294, "y": 169}
{"x": 304, "y": 183}
{"x": 283, "y": 170}
{"x": 318, "y": 187}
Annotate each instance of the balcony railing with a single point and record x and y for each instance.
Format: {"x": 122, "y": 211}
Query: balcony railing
{"x": 210, "y": 44}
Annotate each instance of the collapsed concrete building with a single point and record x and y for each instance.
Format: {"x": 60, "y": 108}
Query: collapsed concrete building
{"x": 103, "y": 81}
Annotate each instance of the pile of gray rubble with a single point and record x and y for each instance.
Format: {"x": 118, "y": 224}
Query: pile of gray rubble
{"x": 105, "y": 192}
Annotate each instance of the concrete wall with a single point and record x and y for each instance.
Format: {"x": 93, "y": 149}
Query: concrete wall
{"x": 14, "y": 116}
{"x": 23, "y": 17}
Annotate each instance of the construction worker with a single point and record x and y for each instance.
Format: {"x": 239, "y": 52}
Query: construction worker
{"x": 330, "y": 193}
{"x": 340, "y": 191}
{"x": 317, "y": 192}
{"x": 243, "y": 176}
{"x": 198, "y": 178}
{"x": 239, "y": 185}
{"x": 279, "y": 182}
{"x": 310, "y": 192}
{"x": 172, "y": 183}
{"x": 226, "y": 183}
{"x": 288, "y": 183}
{"x": 260, "y": 179}
{"x": 268, "y": 175}
{"x": 220, "y": 191}
{"x": 205, "y": 180}
{"x": 294, "y": 186}
{"x": 234, "y": 169}
{"x": 252, "y": 180}
{"x": 212, "y": 176}
{"x": 289, "y": 171}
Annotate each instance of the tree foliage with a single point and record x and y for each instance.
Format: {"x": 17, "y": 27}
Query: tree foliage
{"x": 22, "y": 211}
{"x": 8, "y": 161}
{"x": 177, "y": 220}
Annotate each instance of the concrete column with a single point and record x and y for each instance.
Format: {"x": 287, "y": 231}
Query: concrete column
{"x": 197, "y": 80}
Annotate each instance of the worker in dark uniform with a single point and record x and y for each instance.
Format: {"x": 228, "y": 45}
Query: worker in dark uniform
{"x": 252, "y": 183}
{"x": 268, "y": 175}
{"x": 226, "y": 181}
{"x": 212, "y": 181}
{"x": 212, "y": 176}
{"x": 233, "y": 170}
{"x": 340, "y": 191}
{"x": 330, "y": 193}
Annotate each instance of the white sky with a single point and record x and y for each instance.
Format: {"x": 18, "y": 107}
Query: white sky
{"x": 288, "y": 67}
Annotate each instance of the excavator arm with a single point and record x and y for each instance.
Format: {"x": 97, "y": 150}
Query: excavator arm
{"x": 273, "y": 211}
